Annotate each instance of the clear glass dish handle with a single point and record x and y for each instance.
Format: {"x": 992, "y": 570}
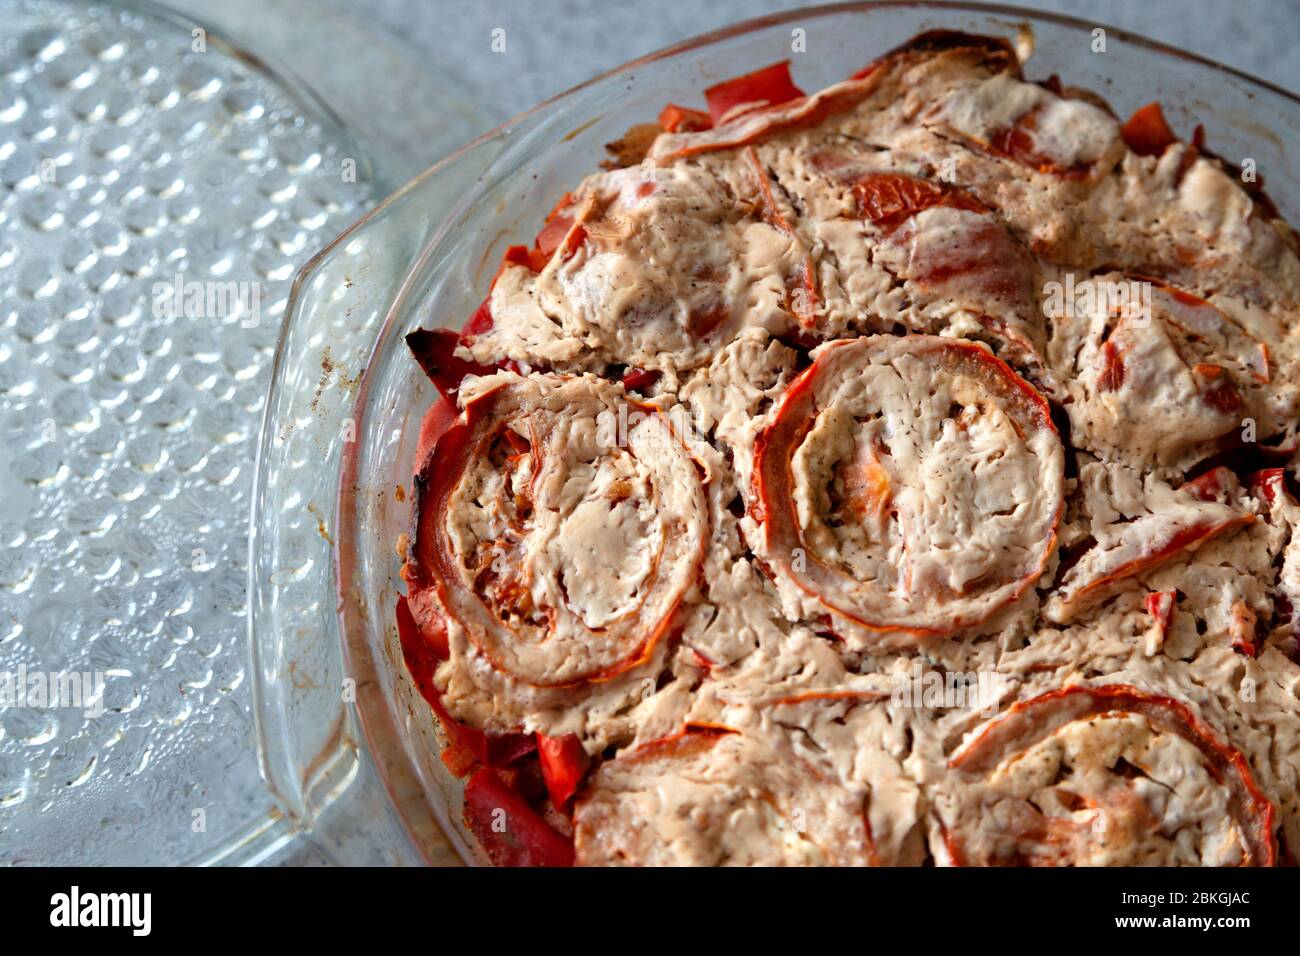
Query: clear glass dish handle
{"x": 309, "y": 742}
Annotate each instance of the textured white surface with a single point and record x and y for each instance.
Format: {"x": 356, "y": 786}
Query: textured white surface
{"x": 128, "y": 427}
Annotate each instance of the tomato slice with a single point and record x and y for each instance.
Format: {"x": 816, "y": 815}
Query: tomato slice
{"x": 914, "y": 576}
{"x": 769, "y": 86}
{"x": 794, "y": 110}
{"x": 1095, "y": 808}
{"x": 965, "y": 257}
{"x": 510, "y": 831}
{"x": 552, "y": 645}
{"x": 889, "y": 199}
{"x": 1019, "y": 142}
{"x": 753, "y": 125}
{"x": 564, "y": 761}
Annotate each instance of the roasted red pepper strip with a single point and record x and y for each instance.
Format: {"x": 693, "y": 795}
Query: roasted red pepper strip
{"x": 1217, "y": 484}
{"x": 770, "y": 86}
{"x": 1147, "y": 133}
{"x": 1183, "y": 541}
{"x": 422, "y": 652}
{"x": 552, "y": 234}
{"x": 510, "y": 831}
{"x": 680, "y": 119}
{"x": 440, "y": 417}
{"x": 1160, "y": 605}
{"x": 1243, "y": 630}
{"x": 469, "y": 747}
{"x": 563, "y": 764}
{"x": 435, "y": 350}
{"x": 639, "y": 379}
{"x": 531, "y": 259}
{"x": 423, "y": 648}
{"x": 481, "y": 321}
{"x": 424, "y": 623}
{"x": 1267, "y": 484}
{"x": 558, "y": 230}
{"x": 422, "y": 655}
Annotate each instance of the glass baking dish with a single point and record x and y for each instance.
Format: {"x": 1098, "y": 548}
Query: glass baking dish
{"x": 347, "y": 743}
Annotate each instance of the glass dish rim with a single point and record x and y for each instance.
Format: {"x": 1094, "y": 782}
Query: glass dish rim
{"x": 343, "y": 548}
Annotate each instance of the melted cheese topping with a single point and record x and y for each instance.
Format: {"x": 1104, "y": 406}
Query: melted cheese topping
{"x": 1108, "y": 791}
{"x": 714, "y": 800}
{"x": 1069, "y": 133}
{"x": 776, "y": 789}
